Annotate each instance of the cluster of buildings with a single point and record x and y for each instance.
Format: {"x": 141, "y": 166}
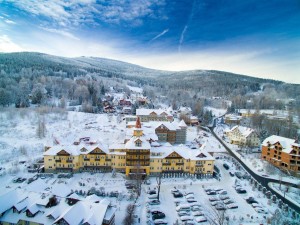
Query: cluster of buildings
{"x": 281, "y": 152}
{"x": 21, "y": 207}
{"x": 155, "y": 147}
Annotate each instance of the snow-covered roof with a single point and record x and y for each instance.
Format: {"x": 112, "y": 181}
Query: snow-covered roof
{"x": 131, "y": 143}
{"x": 245, "y": 131}
{"x": 84, "y": 211}
{"x": 147, "y": 112}
{"x": 182, "y": 150}
{"x": 286, "y": 143}
{"x": 10, "y": 199}
{"x": 75, "y": 150}
{"x": 182, "y": 124}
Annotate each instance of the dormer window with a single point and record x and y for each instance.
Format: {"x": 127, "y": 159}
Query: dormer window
{"x": 138, "y": 143}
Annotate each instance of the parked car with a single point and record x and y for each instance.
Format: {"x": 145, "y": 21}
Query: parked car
{"x": 260, "y": 210}
{"x": 220, "y": 207}
{"x": 183, "y": 207}
{"x": 238, "y": 175}
{"x": 154, "y": 202}
{"x": 226, "y": 166}
{"x": 223, "y": 192}
{"x": 160, "y": 222}
{"x": 240, "y": 190}
{"x": 186, "y": 218}
{"x": 159, "y": 215}
{"x": 190, "y": 200}
{"x": 174, "y": 190}
{"x": 212, "y": 199}
{"x": 211, "y": 192}
{"x": 177, "y": 195}
{"x": 216, "y": 203}
{"x": 232, "y": 206}
{"x": 152, "y": 196}
{"x": 184, "y": 213}
{"x": 224, "y": 197}
{"x": 228, "y": 201}
{"x": 151, "y": 192}
{"x": 189, "y": 222}
{"x": 251, "y": 200}
{"x": 197, "y": 213}
{"x": 200, "y": 219}
{"x": 231, "y": 173}
{"x": 188, "y": 193}
{"x": 195, "y": 208}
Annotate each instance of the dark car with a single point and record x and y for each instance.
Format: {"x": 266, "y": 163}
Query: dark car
{"x": 231, "y": 173}
{"x": 152, "y": 192}
{"x": 211, "y": 192}
{"x": 226, "y": 166}
{"x": 159, "y": 215}
{"x": 238, "y": 175}
{"x": 251, "y": 200}
{"x": 178, "y": 195}
{"x": 241, "y": 191}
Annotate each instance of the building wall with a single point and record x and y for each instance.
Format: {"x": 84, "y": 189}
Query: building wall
{"x": 281, "y": 159}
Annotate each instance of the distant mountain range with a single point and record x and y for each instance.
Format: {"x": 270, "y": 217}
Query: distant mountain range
{"x": 207, "y": 81}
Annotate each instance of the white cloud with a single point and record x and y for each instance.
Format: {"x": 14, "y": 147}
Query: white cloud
{"x": 75, "y": 12}
{"x": 7, "y": 45}
{"x": 9, "y": 21}
{"x": 159, "y": 35}
{"x": 62, "y": 32}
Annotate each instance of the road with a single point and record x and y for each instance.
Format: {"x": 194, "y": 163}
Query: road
{"x": 262, "y": 180}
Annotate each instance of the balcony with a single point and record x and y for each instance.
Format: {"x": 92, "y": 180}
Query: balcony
{"x": 86, "y": 159}
{"x": 97, "y": 159}
{"x": 180, "y": 164}
{"x": 58, "y": 160}
{"x": 199, "y": 165}
{"x": 166, "y": 164}
{"x": 69, "y": 161}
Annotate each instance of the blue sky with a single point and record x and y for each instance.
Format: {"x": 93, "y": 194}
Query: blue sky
{"x": 254, "y": 37}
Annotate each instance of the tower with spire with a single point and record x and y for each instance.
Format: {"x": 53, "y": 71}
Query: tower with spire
{"x": 137, "y": 131}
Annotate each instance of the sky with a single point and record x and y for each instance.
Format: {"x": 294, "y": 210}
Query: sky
{"x": 259, "y": 38}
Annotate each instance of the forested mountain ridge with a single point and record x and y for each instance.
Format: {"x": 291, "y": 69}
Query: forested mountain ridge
{"x": 184, "y": 87}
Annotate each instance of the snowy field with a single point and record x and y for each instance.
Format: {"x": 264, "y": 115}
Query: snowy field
{"x": 19, "y": 146}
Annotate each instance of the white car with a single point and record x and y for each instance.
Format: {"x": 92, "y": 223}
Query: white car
{"x": 160, "y": 222}
{"x": 228, "y": 201}
{"x": 183, "y": 213}
{"x": 200, "y": 219}
{"x": 232, "y": 206}
{"x": 260, "y": 210}
{"x": 197, "y": 213}
{"x": 212, "y": 199}
{"x": 186, "y": 218}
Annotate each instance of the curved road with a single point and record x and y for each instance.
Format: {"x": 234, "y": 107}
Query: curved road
{"x": 262, "y": 180}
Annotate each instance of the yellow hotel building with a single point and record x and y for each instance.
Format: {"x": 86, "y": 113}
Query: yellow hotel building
{"x": 135, "y": 155}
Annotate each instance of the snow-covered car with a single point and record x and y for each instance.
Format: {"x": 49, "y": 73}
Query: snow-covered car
{"x": 183, "y": 213}
{"x": 189, "y": 196}
{"x": 212, "y": 199}
{"x": 223, "y": 192}
{"x": 189, "y": 222}
{"x": 211, "y": 192}
{"x": 190, "y": 200}
{"x": 188, "y": 193}
{"x": 216, "y": 203}
{"x": 179, "y": 201}
{"x": 228, "y": 201}
{"x": 200, "y": 219}
{"x": 241, "y": 190}
{"x": 160, "y": 222}
{"x": 174, "y": 191}
{"x": 220, "y": 207}
{"x": 260, "y": 210}
{"x": 152, "y": 196}
{"x": 255, "y": 205}
{"x": 195, "y": 208}
{"x": 194, "y": 204}
{"x": 186, "y": 218}
{"x": 154, "y": 202}
{"x": 224, "y": 197}
{"x": 151, "y": 192}
{"x": 197, "y": 213}
{"x": 232, "y": 206}
{"x": 183, "y": 207}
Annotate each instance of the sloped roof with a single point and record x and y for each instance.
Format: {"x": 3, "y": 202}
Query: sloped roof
{"x": 286, "y": 143}
{"x": 147, "y": 112}
{"x": 10, "y": 199}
